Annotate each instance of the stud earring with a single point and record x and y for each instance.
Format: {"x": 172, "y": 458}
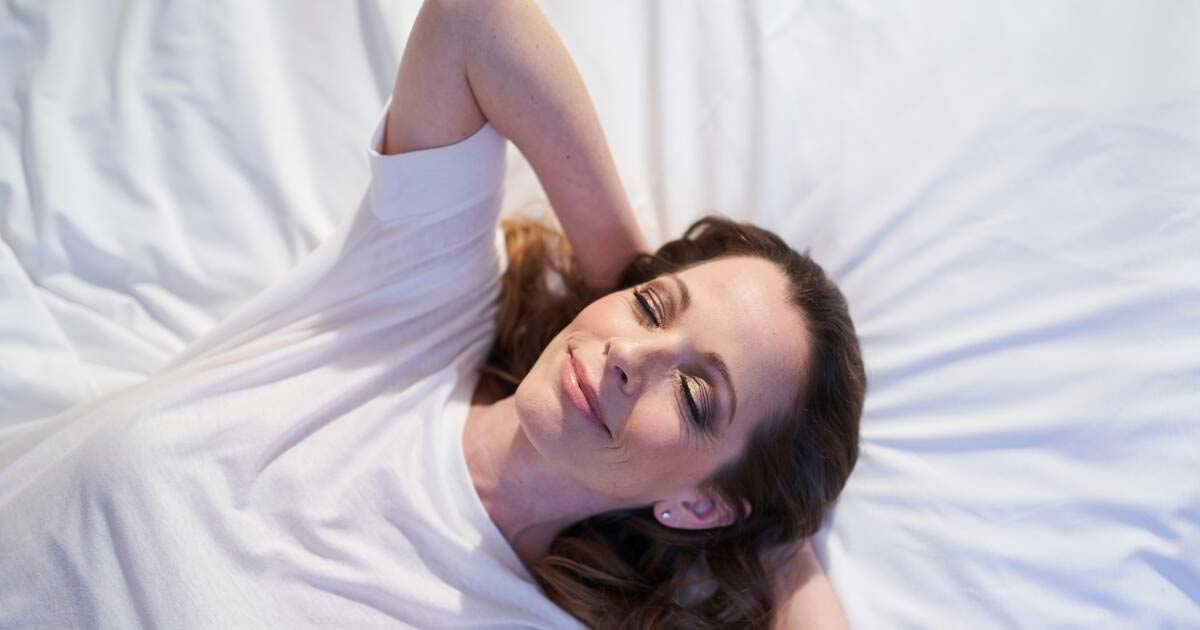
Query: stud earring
{"x": 666, "y": 515}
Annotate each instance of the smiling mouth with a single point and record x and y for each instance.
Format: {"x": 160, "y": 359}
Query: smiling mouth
{"x": 578, "y": 391}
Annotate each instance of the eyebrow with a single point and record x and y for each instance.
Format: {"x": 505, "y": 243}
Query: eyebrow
{"x": 713, "y": 359}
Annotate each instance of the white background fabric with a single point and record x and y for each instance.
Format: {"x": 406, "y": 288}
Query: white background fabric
{"x": 1008, "y": 193}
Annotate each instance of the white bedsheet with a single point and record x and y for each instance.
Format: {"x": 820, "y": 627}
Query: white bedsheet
{"x": 1008, "y": 193}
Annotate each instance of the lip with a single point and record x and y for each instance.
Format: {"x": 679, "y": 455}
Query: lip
{"x": 581, "y": 394}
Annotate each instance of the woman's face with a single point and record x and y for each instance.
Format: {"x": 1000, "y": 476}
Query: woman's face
{"x": 680, "y": 382}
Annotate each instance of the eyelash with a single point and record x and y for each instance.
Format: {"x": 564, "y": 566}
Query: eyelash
{"x": 656, "y": 321}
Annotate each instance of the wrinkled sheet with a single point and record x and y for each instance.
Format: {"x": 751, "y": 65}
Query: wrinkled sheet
{"x": 1008, "y": 194}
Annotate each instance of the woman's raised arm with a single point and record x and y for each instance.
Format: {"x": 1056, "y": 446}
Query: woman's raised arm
{"x": 471, "y": 61}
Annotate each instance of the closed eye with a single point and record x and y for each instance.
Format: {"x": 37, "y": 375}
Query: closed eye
{"x": 645, "y": 304}
{"x": 691, "y": 401}
{"x": 649, "y": 303}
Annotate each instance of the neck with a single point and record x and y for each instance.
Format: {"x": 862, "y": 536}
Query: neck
{"x": 529, "y": 500}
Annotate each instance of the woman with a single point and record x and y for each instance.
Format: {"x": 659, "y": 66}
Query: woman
{"x": 755, "y": 303}
{"x": 332, "y": 455}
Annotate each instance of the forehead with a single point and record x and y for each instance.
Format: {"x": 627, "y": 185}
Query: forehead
{"x": 739, "y": 308}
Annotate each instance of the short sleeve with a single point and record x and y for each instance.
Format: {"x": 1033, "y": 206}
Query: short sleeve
{"x": 442, "y": 180}
{"x": 438, "y": 209}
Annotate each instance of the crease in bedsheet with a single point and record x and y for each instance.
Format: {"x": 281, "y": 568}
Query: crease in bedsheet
{"x": 30, "y": 334}
{"x": 377, "y": 40}
{"x": 1174, "y": 571}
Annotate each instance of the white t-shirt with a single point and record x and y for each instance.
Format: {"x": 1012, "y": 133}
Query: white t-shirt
{"x": 301, "y": 465}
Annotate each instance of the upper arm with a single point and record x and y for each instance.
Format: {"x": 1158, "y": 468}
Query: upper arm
{"x": 528, "y": 87}
{"x": 432, "y": 103}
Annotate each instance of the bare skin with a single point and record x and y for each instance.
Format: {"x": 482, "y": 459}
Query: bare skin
{"x": 468, "y": 62}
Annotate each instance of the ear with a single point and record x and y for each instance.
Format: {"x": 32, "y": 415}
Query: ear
{"x": 697, "y": 512}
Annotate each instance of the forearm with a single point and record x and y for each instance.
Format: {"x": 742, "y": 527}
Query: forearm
{"x": 526, "y": 85}
{"x": 804, "y": 598}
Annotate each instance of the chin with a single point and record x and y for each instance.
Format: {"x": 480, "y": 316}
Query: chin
{"x": 539, "y": 411}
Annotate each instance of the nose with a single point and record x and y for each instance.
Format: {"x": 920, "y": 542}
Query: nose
{"x": 630, "y": 361}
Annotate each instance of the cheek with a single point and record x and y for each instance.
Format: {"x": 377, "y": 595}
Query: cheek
{"x": 655, "y": 429}
{"x": 660, "y": 455}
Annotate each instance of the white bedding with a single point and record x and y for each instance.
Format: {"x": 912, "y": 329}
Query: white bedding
{"x": 1008, "y": 193}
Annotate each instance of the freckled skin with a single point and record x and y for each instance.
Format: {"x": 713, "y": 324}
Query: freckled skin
{"x": 738, "y": 310}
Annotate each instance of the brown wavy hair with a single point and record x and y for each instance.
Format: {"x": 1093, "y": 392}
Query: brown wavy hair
{"x": 623, "y": 569}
